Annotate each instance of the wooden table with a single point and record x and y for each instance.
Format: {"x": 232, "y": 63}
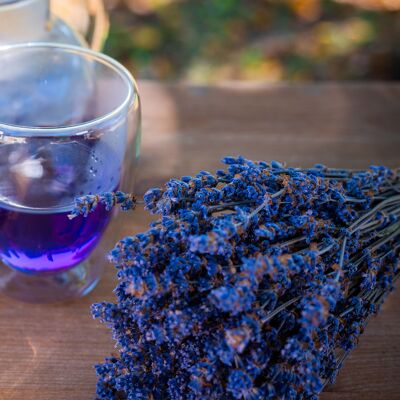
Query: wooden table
{"x": 47, "y": 352}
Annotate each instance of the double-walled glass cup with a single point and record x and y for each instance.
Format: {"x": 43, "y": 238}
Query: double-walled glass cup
{"x": 69, "y": 126}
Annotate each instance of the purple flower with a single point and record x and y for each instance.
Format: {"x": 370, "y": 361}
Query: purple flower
{"x": 239, "y": 384}
{"x": 87, "y": 204}
{"x": 252, "y": 282}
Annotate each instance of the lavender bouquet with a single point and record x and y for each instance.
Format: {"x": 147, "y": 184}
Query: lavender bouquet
{"x": 255, "y": 283}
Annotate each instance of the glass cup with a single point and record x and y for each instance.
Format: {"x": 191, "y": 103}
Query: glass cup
{"x": 69, "y": 126}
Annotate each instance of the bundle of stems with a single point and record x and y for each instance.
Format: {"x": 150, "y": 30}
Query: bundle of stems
{"x": 255, "y": 283}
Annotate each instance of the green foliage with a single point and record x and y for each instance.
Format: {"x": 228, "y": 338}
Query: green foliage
{"x": 209, "y": 40}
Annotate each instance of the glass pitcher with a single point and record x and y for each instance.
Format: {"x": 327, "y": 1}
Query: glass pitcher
{"x": 30, "y": 21}
{"x": 23, "y": 21}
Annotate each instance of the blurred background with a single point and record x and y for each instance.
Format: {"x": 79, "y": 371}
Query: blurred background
{"x": 208, "y": 41}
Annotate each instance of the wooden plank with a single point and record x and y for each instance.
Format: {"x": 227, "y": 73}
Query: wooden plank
{"x": 47, "y": 352}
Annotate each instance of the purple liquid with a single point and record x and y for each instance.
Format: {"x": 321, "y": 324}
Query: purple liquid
{"x": 44, "y": 242}
{"x": 39, "y": 181}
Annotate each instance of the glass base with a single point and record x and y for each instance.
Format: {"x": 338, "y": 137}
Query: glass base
{"x": 50, "y": 287}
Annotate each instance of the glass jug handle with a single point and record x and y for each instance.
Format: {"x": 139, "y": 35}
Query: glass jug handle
{"x": 94, "y": 22}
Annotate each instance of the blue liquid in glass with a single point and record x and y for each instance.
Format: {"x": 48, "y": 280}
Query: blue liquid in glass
{"x": 32, "y": 241}
{"x": 38, "y": 184}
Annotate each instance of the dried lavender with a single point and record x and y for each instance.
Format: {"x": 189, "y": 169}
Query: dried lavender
{"x": 86, "y": 204}
{"x": 255, "y": 283}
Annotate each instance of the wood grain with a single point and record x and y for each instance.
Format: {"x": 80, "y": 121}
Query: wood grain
{"x": 47, "y": 352}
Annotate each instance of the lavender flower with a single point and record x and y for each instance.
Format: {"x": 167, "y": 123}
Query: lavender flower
{"x": 255, "y": 283}
{"x": 86, "y": 204}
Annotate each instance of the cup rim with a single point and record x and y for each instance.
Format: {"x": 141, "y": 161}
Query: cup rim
{"x": 11, "y": 130}
{"x": 13, "y": 3}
